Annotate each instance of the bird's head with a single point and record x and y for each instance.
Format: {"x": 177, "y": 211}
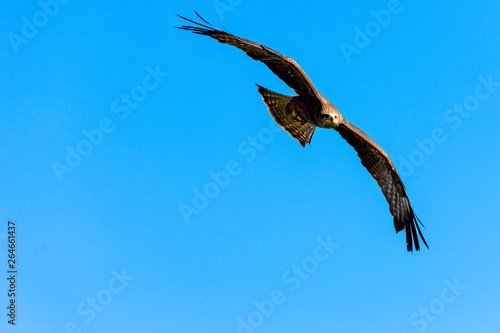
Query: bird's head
{"x": 331, "y": 120}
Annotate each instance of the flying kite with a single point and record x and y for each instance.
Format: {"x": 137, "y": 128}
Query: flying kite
{"x": 300, "y": 115}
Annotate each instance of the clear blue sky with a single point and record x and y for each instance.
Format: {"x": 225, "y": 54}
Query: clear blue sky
{"x": 112, "y": 121}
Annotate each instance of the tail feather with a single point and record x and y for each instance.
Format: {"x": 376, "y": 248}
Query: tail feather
{"x": 293, "y": 124}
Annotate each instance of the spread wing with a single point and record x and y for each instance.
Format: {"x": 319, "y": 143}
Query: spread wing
{"x": 285, "y": 68}
{"x": 376, "y": 161}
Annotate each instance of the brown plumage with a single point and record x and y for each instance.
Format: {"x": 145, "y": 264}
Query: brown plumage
{"x": 300, "y": 115}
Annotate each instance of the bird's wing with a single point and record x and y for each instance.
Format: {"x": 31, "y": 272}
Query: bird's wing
{"x": 376, "y": 161}
{"x": 285, "y": 68}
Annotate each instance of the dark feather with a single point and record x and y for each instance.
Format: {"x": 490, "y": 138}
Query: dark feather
{"x": 376, "y": 161}
{"x": 285, "y": 68}
{"x": 277, "y": 104}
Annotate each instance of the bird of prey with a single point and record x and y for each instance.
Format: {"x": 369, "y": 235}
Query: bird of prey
{"x": 300, "y": 115}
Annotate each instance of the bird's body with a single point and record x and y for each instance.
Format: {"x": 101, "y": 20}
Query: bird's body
{"x": 300, "y": 115}
{"x": 316, "y": 114}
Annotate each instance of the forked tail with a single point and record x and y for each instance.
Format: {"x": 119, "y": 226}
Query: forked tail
{"x": 287, "y": 117}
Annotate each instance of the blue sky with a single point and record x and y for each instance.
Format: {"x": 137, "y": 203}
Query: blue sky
{"x": 113, "y": 122}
